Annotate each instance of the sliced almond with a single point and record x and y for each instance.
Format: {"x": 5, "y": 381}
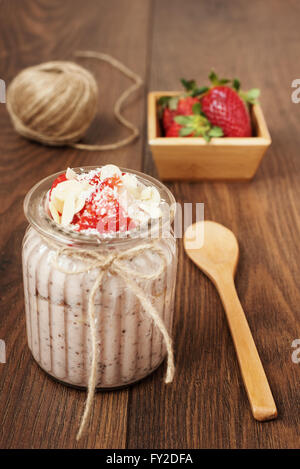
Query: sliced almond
{"x": 79, "y": 204}
{"x": 66, "y": 188}
{"x": 109, "y": 171}
{"x": 155, "y": 212}
{"x": 54, "y": 212}
{"x": 152, "y": 209}
{"x": 151, "y": 194}
{"x": 68, "y": 210}
{"x": 70, "y": 174}
{"x": 59, "y": 204}
{"x": 146, "y": 193}
{"x": 155, "y": 195}
{"x": 131, "y": 183}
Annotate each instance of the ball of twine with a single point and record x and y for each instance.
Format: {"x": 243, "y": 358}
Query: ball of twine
{"x": 55, "y": 102}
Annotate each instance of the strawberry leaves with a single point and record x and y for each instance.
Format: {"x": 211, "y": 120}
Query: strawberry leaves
{"x": 216, "y": 81}
{"x": 163, "y": 101}
{"x": 200, "y": 91}
{"x": 250, "y": 96}
{"x": 173, "y": 103}
{"x": 189, "y": 85}
{"x": 197, "y": 109}
{"x": 197, "y": 125}
{"x": 236, "y": 84}
{"x": 216, "y": 131}
{"x": 192, "y": 88}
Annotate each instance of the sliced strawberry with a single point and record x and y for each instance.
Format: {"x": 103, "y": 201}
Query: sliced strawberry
{"x": 111, "y": 182}
{"x": 102, "y": 211}
{"x": 117, "y": 221}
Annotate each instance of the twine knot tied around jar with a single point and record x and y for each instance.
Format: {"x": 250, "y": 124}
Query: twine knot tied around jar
{"x": 114, "y": 263}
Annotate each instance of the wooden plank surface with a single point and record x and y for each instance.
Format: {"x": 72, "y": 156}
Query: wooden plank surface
{"x": 206, "y": 406}
{"x": 35, "y": 411}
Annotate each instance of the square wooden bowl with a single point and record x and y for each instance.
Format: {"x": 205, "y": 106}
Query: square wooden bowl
{"x": 183, "y": 158}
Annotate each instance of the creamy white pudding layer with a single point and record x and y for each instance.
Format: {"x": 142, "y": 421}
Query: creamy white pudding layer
{"x": 56, "y": 304}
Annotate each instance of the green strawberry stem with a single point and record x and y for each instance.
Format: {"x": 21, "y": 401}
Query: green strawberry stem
{"x": 198, "y": 126}
{"x": 216, "y": 81}
{"x": 250, "y": 96}
{"x": 192, "y": 88}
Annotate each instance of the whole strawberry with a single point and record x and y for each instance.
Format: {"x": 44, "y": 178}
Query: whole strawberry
{"x": 168, "y": 117}
{"x": 219, "y": 111}
{"x": 182, "y": 115}
{"x": 173, "y": 130}
{"x": 185, "y": 106}
{"x": 177, "y": 106}
{"x": 226, "y": 108}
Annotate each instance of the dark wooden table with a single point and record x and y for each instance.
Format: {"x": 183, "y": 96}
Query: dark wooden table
{"x": 206, "y": 407}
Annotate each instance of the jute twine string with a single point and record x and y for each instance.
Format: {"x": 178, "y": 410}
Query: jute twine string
{"x": 55, "y": 102}
{"x": 138, "y": 82}
{"x": 114, "y": 263}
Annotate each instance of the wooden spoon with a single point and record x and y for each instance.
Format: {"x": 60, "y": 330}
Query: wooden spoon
{"x": 218, "y": 258}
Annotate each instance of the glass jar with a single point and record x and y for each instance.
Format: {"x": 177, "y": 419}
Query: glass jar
{"x": 57, "y": 293}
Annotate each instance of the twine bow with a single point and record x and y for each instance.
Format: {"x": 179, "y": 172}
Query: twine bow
{"x": 114, "y": 264}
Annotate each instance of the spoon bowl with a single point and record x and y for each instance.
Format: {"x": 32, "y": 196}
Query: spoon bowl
{"x": 220, "y": 248}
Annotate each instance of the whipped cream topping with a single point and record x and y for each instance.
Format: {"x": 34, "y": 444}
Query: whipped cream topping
{"x": 104, "y": 200}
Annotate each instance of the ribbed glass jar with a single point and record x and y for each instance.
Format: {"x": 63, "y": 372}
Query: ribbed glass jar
{"x": 56, "y": 303}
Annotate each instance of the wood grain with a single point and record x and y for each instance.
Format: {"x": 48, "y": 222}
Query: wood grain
{"x": 35, "y": 411}
{"x": 206, "y": 407}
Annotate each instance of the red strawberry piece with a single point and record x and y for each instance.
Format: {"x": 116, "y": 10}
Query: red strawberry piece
{"x": 116, "y": 221}
{"x": 185, "y": 106}
{"x": 168, "y": 118}
{"x": 111, "y": 182}
{"x": 225, "y": 108}
{"x": 103, "y": 212}
{"x": 173, "y": 130}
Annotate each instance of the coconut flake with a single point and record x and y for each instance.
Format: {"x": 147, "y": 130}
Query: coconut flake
{"x": 108, "y": 171}
{"x": 54, "y": 212}
{"x": 69, "y": 197}
{"x": 68, "y": 210}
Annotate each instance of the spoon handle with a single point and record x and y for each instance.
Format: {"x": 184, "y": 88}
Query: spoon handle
{"x": 258, "y": 390}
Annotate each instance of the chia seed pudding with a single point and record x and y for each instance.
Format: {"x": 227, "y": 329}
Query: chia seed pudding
{"x": 108, "y": 211}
